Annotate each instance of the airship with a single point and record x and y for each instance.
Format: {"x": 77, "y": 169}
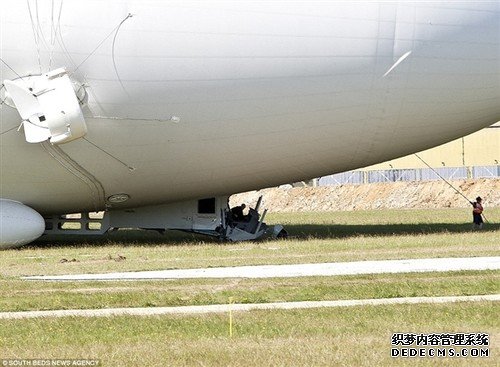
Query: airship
{"x": 155, "y": 112}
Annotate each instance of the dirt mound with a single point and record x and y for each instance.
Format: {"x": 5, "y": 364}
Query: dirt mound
{"x": 397, "y": 195}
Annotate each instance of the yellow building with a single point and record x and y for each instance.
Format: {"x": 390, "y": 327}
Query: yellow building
{"x": 478, "y": 149}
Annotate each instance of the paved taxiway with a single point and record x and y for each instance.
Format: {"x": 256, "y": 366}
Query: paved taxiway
{"x": 296, "y": 270}
{"x": 153, "y": 311}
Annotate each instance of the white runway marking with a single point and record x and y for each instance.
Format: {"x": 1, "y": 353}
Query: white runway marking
{"x": 153, "y": 311}
{"x": 297, "y": 270}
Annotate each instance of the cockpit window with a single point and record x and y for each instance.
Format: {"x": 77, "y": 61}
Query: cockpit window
{"x": 206, "y": 206}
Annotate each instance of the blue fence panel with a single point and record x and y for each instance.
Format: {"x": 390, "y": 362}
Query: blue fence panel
{"x": 350, "y": 177}
{"x": 486, "y": 171}
{"x": 396, "y": 175}
{"x": 449, "y": 173}
{"x": 392, "y": 175}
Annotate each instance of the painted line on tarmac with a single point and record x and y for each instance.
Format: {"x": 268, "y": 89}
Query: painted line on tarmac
{"x": 296, "y": 270}
{"x": 190, "y": 310}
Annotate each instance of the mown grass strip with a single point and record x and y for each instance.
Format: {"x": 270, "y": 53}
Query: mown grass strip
{"x": 17, "y": 295}
{"x": 358, "y": 336}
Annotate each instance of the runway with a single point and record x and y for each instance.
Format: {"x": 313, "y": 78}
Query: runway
{"x": 187, "y": 310}
{"x": 296, "y": 270}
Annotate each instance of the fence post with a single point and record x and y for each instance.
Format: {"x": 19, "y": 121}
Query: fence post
{"x": 469, "y": 173}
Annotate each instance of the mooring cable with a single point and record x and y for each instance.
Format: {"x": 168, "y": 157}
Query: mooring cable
{"x": 449, "y": 184}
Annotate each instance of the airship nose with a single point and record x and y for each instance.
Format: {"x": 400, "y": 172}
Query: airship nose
{"x": 19, "y": 224}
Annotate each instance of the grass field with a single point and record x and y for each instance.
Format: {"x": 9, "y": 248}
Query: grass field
{"x": 358, "y": 336}
{"x": 18, "y": 295}
{"x": 314, "y": 238}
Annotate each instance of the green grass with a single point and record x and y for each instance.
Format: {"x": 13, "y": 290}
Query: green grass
{"x": 354, "y": 336}
{"x": 92, "y": 259}
{"x": 358, "y": 336}
{"x": 315, "y": 237}
{"x": 17, "y": 295}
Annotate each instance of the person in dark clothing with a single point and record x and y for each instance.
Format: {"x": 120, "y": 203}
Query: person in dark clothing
{"x": 237, "y": 213}
{"x": 477, "y": 218}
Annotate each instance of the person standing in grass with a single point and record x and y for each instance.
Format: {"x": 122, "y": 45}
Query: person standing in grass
{"x": 477, "y": 212}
